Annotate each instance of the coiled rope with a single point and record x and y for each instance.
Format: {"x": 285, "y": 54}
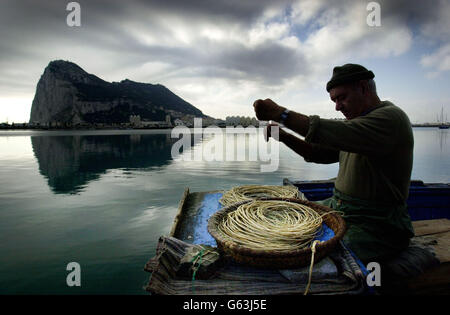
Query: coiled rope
{"x": 251, "y": 192}
{"x": 274, "y": 225}
{"x": 313, "y": 252}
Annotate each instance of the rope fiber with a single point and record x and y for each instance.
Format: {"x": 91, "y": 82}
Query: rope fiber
{"x": 271, "y": 225}
{"x": 274, "y": 225}
{"x": 251, "y": 192}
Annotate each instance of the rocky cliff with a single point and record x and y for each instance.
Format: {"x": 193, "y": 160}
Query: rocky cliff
{"x": 67, "y": 94}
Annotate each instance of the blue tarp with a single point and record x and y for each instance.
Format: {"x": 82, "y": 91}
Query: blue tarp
{"x": 211, "y": 204}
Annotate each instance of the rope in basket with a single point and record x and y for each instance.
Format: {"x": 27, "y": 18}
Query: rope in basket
{"x": 274, "y": 225}
{"x": 250, "y": 192}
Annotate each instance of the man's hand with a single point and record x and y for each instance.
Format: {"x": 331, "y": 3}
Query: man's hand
{"x": 267, "y": 110}
{"x": 268, "y": 132}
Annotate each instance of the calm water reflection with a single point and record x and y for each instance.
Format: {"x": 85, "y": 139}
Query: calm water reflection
{"x": 102, "y": 199}
{"x": 71, "y": 162}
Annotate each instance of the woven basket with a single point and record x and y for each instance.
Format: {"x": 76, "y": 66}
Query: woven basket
{"x": 273, "y": 258}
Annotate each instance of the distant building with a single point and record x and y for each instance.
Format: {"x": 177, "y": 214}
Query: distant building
{"x": 241, "y": 121}
{"x": 178, "y": 122}
{"x": 219, "y": 123}
{"x": 168, "y": 121}
{"x": 135, "y": 120}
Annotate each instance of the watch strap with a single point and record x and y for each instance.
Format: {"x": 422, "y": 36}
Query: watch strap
{"x": 284, "y": 116}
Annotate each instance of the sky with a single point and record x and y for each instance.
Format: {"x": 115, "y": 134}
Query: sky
{"x": 222, "y": 55}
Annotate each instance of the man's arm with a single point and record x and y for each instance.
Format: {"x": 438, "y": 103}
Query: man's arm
{"x": 375, "y": 134}
{"x": 269, "y": 110}
{"x": 310, "y": 152}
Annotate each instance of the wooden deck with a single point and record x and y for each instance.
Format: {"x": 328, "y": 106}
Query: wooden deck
{"x": 436, "y": 234}
{"x": 346, "y": 277}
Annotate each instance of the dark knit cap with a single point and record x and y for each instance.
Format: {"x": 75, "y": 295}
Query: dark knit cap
{"x": 348, "y": 73}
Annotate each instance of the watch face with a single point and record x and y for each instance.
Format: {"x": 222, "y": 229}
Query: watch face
{"x": 284, "y": 115}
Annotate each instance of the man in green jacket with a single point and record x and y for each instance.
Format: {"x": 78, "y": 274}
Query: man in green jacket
{"x": 374, "y": 148}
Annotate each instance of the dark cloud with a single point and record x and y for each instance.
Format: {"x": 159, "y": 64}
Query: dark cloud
{"x": 32, "y": 14}
{"x": 34, "y": 32}
{"x": 268, "y": 62}
{"x": 415, "y": 12}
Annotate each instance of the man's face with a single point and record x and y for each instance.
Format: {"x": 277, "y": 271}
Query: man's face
{"x": 349, "y": 99}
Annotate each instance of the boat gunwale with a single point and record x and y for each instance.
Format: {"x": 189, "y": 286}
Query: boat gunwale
{"x": 178, "y": 216}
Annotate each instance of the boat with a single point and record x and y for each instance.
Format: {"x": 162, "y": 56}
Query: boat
{"x": 426, "y": 201}
{"x": 428, "y": 206}
{"x": 441, "y": 122}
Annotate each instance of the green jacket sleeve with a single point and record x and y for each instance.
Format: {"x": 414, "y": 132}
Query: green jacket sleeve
{"x": 322, "y": 154}
{"x": 374, "y": 134}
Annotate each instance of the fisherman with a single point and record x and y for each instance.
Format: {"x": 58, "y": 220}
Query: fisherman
{"x": 374, "y": 148}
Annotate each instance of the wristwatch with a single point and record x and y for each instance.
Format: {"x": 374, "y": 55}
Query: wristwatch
{"x": 284, "y": 116}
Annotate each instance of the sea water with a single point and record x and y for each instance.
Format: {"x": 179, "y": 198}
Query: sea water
{"x": 103, "y": 198}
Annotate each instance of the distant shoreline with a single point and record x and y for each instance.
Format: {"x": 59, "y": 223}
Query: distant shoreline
{"x": 430, "y": 125}
{"x": 80, "y": 128}
{"x": 24, "y": 126}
